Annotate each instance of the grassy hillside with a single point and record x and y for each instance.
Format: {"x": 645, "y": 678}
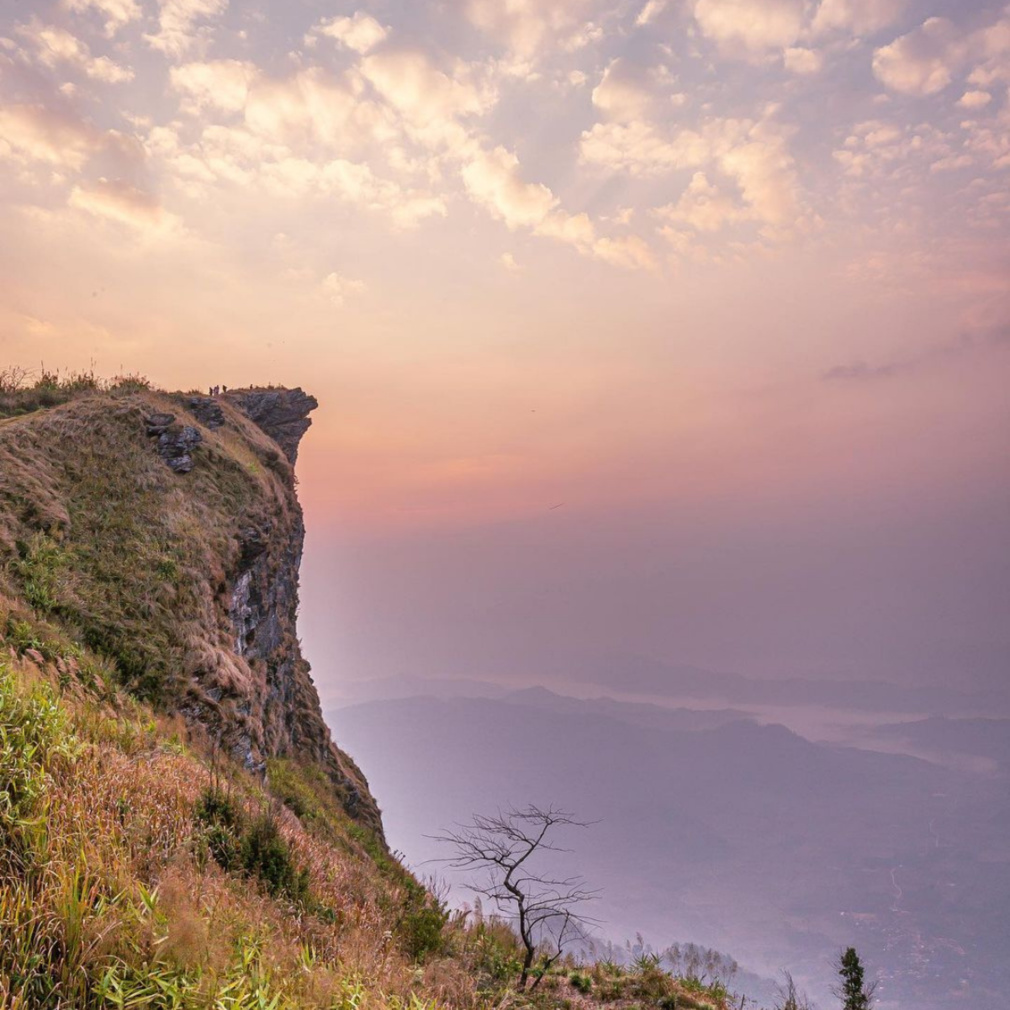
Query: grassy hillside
{"x": 144, "y": 861}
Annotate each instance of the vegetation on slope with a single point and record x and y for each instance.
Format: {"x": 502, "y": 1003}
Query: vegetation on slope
{"x": 136, "y": 871}
{"x": 180, "y": 585}
{"x": 141, "y": 864}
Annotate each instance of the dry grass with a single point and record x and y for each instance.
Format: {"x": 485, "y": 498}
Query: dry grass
{"x": 108, "y": 896}
{"x": 111, "y": 585}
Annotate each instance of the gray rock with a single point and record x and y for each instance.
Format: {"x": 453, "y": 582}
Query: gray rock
{"x": 176, "y": 444}
{"x": 282, "y": 413}
{"x": 206, "y": 410}
{"x": 157, "y": 424}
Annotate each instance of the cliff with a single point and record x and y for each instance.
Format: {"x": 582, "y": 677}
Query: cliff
{"x": 162, "y": 534}
{"x": 149, "y": 554}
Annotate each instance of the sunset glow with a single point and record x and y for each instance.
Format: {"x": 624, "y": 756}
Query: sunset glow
{"x": 659, "y": 275}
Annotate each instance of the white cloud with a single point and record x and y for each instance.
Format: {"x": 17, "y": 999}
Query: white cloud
{"x": 529, "y": 26}
{"x": 55, "y": 46}
{"x": 35, "y": 133}
{"x": 860, "y": 17}
{"x": 929, "y": 58}
{"x": 974, "y": 99}
{"x": 359, "y": 32}
{"x": 924, "y": 61}
{"x": 754, "y": 155}
{"x": 639, "y": 149}
{"x": 704, "y": 207}
{"x": 177, "y": 20}
{"x": 627, "y": 251}
{"x": 430, "y": 102}
{"x": 117, "y": 13}
{"x": 750, "y": 26}
{"x": 798, "y": 60}
{"x": 338, "y": 288}
{"x": 508, "y": 261}
{"x": 237, "y": 156}
{"x": 622, "y": 93}
{"x": 492, "y": 179}
{"x": 650, "y": 12}
{"x": 764, "y": 170}
{"x": 991, "y": 51}
{"x": 314, "y": 107}
{"x": 125, "y": 204}
{"x": 219, "y": 84}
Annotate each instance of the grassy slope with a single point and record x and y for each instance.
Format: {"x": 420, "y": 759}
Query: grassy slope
{"x": 140, "y": 868}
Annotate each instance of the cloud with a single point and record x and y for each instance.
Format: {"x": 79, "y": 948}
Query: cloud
{"x": 704, "y": 207}
{"x": 627, "y": 251}
{"x": 924, "y": 61}
{"x": 118, "y": 201}
{"x": 860, "y": 17}
{"x": 974, "y": 100}
{"x": 37, "y": 133}
{"x": 650, "y": 12}
{"x": 314, "y": 108}
{"x": 765, "y": 171}
{"x": 928, "y": 59}
{"x": 508, "y": 261}
{"x": 623, "y": 93}
{"x": 54, "y": 46}
{"x": 990, "y": 50}
{"x": 528, "y": 27}
{"x": 492, "y": 179}
{"x": 117, "y": 13}
{"x": 338, "y": 288}
{"x": 753, "y": 155}
{"x": 430, "y": 102}
{"x": 177, "y": 20}
{"x": 860, "y": 370}
{"x": 750, "y": 26}
{"x": 219, "y": 84}
{"x": 639, "y": 149}
{"x": 890, "y": 151}
{"x": 359, "y": 32}
{"x": 798, "y": 60}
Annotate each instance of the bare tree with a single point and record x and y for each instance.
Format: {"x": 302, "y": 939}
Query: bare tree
{"x": 790, "y": 998}
{"x": 544, "y": 908}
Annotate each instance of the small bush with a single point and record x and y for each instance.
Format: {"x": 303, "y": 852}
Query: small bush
{"x": 421, "y": 921}
{"x": 253, "y": 846}
{"x": 267, "y": 856}
{"x": 581, "y": 983}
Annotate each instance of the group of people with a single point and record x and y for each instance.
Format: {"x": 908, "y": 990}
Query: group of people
{"x": 218, "y": 390}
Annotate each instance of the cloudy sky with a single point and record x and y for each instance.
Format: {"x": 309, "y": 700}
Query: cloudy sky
{"x": 679, "y": 327}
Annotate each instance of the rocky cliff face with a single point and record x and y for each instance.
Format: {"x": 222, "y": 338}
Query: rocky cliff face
{"x": 164, "y": 534}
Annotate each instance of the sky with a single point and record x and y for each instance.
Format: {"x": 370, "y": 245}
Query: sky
{"x": 677, "y": 329}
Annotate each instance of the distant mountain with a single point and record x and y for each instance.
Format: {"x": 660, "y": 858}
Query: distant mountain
{"x": 635, "y": 674}
{"x": 633, "y": 713}
{"x": 744, "y": 837}
{"x": 982, "y": 738}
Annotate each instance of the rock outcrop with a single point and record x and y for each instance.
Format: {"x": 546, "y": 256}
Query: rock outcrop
{"x": 282, "y": 413}
{"x": 184, "y": 576}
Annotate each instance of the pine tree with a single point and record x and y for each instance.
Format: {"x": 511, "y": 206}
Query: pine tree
{"x": 854, "y": 993}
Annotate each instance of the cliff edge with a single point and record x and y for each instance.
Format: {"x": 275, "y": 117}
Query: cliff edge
{"x": 162, "y": 533}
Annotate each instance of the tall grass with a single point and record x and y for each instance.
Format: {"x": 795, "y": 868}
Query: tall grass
{"x": 25, "y": 390}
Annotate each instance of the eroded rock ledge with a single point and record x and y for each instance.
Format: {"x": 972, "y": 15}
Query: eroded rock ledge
{"x": 176, "y": 522}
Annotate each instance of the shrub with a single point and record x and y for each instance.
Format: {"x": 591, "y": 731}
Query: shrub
{"x": 253, "y": 846}
{"x": 267, "y": 856}
{"x": 421, "y": 920}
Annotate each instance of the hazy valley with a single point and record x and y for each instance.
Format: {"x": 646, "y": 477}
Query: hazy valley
{"x": 717, "y": 829}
